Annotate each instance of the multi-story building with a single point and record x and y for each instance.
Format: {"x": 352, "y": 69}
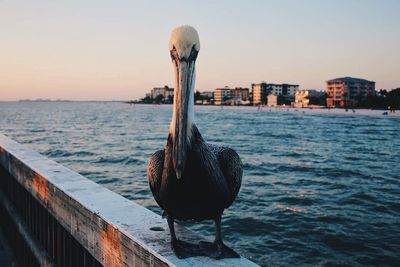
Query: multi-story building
{"x": 240, "y": 93}
{"x": 226, "y": 95}
{"x": 283, "y": 89}
{"x": 348, "y": 91}
{"x": 260, "y": 92}
{"x": 223, "y": 94}
{"x": 164, "y": 91}
{"x": 302, "y": 97}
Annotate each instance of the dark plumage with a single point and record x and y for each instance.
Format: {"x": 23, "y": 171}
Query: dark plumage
{"x": 209, "y": 184}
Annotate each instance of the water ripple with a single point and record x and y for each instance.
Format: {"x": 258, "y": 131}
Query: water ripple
{"x": 320, "y": 188}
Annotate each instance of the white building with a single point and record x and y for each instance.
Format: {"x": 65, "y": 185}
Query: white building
{"x": 223, "y": 94}
{"x": 272, "y": 100}
{"x": 262, "y": 90}
{"x": 302, "y": 97}
{"x": 283, "y": 89}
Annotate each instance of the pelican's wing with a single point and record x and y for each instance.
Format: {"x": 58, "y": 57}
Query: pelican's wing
{"x": 232, "y": 168}
{"x": 154, "y": 173}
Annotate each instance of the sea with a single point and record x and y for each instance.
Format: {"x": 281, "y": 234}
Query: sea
{"x": 320, "y": 187}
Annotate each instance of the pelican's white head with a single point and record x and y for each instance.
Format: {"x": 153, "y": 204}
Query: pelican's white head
{"x": 184, "y": 39}
{"x": 184, "y": 47}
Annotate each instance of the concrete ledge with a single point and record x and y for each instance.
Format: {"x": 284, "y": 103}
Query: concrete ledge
{"x": 115, "y": 230}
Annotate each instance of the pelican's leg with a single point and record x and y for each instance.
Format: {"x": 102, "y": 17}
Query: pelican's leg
{"x": 218, "y": 249}
{"x": 218, "y": 236}
{"x": 181, "y": 249}
{"x": 171, "y": 226}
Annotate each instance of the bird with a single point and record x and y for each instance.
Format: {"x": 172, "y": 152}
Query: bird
{"x": 191, "y": 179}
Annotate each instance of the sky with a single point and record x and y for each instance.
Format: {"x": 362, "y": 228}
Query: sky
{"x": 118, "y": 50}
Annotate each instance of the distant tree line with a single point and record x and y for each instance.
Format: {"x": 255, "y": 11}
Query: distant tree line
{"x": 318, "y": 100}
{"x": 160, "y": 99}
{"x": 147, "y": 100}
{"x": 381, "y": 100}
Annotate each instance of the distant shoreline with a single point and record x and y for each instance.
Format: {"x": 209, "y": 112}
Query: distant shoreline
{"x": 217, "y": 106}
{"x": 263, "y": 107}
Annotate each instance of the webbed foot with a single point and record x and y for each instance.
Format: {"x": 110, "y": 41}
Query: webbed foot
{"x": 217, "y": 250}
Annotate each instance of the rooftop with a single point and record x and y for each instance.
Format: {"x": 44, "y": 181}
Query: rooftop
{"x": 272, "y": 84}
{"x": 350, "y": 80}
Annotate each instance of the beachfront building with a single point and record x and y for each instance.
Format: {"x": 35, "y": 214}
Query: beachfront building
{"x": 164, "y": 91}
{"x": 348, "y": 91}
{"x": 303, "y": 98}
{"x": 241, "y": 96}
{"x": 260, "y": 92}
{"x": 241, "y": 93}
{"x": 283, "y": 89}
{"x": 228, "y": 96}
{"x": 165, "y": 94}
{"x": 221, "y": 95}
{"x": 272, "y": 100}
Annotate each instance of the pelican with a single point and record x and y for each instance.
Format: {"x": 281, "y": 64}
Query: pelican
{"x": 191, "y": 179}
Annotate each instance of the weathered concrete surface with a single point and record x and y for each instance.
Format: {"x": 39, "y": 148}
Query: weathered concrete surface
{"x": 115, "y": 230}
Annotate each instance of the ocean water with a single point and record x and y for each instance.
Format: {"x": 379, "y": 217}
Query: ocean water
{"x": 320, "y": 188}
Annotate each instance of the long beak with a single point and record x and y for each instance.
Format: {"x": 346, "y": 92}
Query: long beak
{"x": 184, "y": 74}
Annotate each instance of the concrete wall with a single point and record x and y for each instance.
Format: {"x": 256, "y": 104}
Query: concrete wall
{"x": 114, "y": 230}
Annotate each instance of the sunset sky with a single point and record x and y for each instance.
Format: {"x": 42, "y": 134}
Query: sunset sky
{"x": 118, "y": 50}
